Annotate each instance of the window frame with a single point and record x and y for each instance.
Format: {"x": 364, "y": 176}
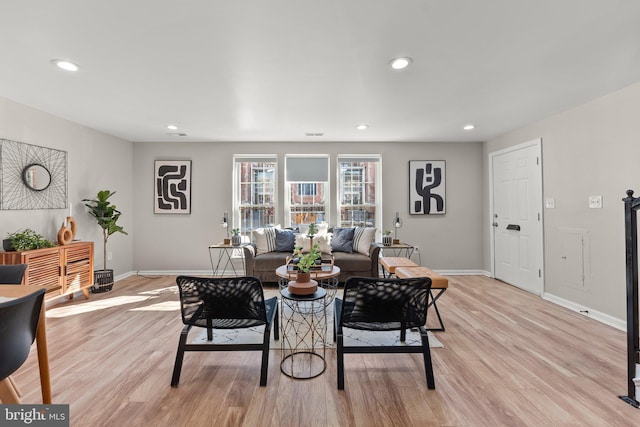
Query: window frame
{"x": 376, "y": 159}
{"x": 237, "y": 203}
{"x": 322, "y": 189}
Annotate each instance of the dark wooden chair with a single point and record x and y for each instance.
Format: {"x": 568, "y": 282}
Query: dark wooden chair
{"x": 18, "y": 325}
{"x": 225, "y": 303}
{"x": 12, "y": 274}
{"x": 374, "y": 304}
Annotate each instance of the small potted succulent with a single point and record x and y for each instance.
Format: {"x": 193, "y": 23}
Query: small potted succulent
{"x": 236, "y": 239}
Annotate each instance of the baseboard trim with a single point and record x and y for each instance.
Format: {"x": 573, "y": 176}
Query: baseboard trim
{"x": 172, "y": 273}
{"x": 463, "y": 272}
{"x": 587, "y": 312}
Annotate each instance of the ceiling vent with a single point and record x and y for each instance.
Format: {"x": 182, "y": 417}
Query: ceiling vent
{"x": 314, "y": 134}
{"x": 176, "y": 134}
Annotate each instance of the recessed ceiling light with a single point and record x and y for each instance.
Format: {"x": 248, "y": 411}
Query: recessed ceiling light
{"x": 65, "y": 65}
{"x": 469, "y": 127}
{"x": 362, "y": 127}
{"x": 172, "y": 127}
{"x": 400, "y": 63}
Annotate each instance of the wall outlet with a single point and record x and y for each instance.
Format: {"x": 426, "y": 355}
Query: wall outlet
{"x": 109, "y": 255}
{"x": 550, "y": 203}
{"x": 595, "y": 202}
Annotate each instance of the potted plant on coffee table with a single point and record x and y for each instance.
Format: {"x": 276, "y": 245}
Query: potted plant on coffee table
{"x": 304, "y": 262}
{"x": 107, "y": 217}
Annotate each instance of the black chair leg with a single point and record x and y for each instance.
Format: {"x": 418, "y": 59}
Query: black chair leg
{"x": 177, "y": 367}
{"x": 340, "y": 366}
{"x": 264, "y": 367}
{"x": 403, "y": 333}
{"x": 276, "y": 324}
{"x": 428, "y": 366}
{"x": 209, "y": 330}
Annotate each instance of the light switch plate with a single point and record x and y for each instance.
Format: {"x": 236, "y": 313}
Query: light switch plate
{"x": 550, "y": 203}
{"x": 595, "y": 202}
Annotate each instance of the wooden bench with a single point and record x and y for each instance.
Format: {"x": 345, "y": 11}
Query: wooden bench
{"x": 391, "y": 263}
{"x": 438, "y": 283}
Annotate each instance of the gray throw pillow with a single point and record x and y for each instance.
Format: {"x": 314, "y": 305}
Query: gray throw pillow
{"x": 342, "y": 240}
{"x": 285, "y": 240}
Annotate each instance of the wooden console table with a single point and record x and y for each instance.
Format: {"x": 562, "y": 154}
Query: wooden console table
{"x": 64, "y": 269}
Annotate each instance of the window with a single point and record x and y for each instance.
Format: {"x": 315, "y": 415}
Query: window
{"x": 255, "y": 183}
{"x": 359, "y": 200}
{"x": 307, "y": 185}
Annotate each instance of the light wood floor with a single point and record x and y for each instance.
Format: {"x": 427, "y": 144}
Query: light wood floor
{"x": 509, "y": 359}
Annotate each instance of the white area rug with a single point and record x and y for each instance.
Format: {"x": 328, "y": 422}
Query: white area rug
{"x": 351, "y": 336}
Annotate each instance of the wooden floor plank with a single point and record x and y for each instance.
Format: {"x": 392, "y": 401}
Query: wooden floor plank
{"x": 510, "y": 358}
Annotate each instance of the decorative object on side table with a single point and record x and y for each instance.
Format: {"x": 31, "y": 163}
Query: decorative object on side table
{"x": 225, "y": 225}
{"x": 386, "y": 238}
{"x": 107, "y": 216}
{"x": 236, "y": 239}
{"x": 303, "y": 263}
{"x": 397, "y": 223}
{"x": 25, "y": 240}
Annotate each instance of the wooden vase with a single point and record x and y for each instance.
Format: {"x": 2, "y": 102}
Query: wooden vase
{"x": 65, "y": 235}
{"x": 302, "y": 277}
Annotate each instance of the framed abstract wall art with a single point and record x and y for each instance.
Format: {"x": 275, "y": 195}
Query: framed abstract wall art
{"x": 32, "y": 177}
{"x": 172, "y": 187}
{"x": 427, "y": 187}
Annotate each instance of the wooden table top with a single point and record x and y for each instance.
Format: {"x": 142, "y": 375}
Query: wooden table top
{"x": 315, "y": 274}
{"x": 390, "y": 263}
{"x": 16, "y": 291}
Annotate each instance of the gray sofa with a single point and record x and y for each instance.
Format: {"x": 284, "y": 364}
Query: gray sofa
{"x": 263, "y": 266}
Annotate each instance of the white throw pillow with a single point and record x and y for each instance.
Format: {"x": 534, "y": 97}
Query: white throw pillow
{"x": 363, "y": 237}
{"x": 323, "y": 242}
{"x": 265, "y": 239}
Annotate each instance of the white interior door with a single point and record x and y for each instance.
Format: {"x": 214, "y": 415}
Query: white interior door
{"x": 517, "y": 216}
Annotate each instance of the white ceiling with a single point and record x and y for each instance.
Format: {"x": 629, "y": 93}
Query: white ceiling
{"x": 273, "y": 70}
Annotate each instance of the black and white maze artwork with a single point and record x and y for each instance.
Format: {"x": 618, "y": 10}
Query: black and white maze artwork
{"x": 172, "y": 183}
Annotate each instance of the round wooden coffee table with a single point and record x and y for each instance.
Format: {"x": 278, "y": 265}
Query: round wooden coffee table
{"x": 327, "y": 278}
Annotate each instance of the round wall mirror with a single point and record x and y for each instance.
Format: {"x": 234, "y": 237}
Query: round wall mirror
{"x": 36, "y": 177}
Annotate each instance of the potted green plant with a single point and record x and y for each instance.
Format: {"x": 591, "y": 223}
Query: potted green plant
{"x": 236, "y": 239}
{"x": 305, "y": 261}
{"x": 386, "y": 238}
{"x": 25, "y": 240}
{"x": 107, "y": 217}
{"x": 311, "y": 232}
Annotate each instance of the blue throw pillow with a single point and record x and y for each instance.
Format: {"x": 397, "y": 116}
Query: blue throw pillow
{"x": 285, "y": 240}
{"x": 342, "y": 240}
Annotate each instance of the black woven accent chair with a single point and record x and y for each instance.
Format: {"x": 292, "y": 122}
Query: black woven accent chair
{"x": 12, "y": 274}
{"x": 374, "y": 304}
{"x": 225, "y": 303}
{"x": 18, "y": 325}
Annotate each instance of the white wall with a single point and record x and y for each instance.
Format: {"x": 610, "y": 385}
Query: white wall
{"x": 179, "y": 242}
{"x": 590, "y": 150}
{"x": 96, "y": 161}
